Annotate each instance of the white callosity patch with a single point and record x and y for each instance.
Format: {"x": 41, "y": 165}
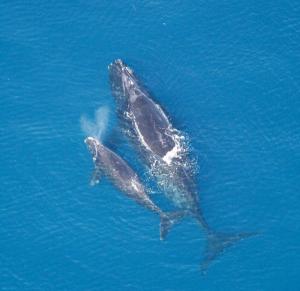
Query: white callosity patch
{"x": 130, "y": 71}
{"x": 93, "y": 145}
{"x": 128, "y": 84}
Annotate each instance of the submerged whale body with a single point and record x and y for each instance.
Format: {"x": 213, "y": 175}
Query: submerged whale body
{"x": 126, "y": 180}
{"x": 163, "y": 149}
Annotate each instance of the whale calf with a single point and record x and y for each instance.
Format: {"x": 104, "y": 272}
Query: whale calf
{"x": 125, "y": 179}
{"x": 163, "y": 149}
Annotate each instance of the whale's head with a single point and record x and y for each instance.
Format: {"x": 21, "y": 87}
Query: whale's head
{"x": 122, "y": 80}
{"x": 93, "y": 146}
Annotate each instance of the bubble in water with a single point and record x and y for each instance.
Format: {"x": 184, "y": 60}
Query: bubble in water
{"x": 98, "y": 126}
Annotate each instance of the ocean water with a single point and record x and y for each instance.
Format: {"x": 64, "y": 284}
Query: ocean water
{"x": 228, "y": 75}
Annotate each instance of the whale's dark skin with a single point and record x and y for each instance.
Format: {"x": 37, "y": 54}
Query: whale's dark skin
{"x": 126, "y": 180}
{"x": 155, "y": 136}
{"x": 149, "y": 119}
{"x": 160, "y": 144}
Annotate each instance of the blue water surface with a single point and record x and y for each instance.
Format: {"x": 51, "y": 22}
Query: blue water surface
{"x": 226, "y": 72}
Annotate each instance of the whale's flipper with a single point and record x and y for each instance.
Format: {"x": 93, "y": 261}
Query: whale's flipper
{"x": 218, "y": 242}
{"x": 167, "y": 220}
{"x": 96, "y": 176}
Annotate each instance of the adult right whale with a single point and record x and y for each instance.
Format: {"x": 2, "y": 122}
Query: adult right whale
{"x": 164, "y": 150}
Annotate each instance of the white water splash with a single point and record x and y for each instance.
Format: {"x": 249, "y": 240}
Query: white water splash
{"x": 98, "y": 126}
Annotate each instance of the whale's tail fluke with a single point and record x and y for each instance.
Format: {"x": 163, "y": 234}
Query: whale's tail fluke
{"x": 218, "y": 242}
{"x": 167, "y": 220}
